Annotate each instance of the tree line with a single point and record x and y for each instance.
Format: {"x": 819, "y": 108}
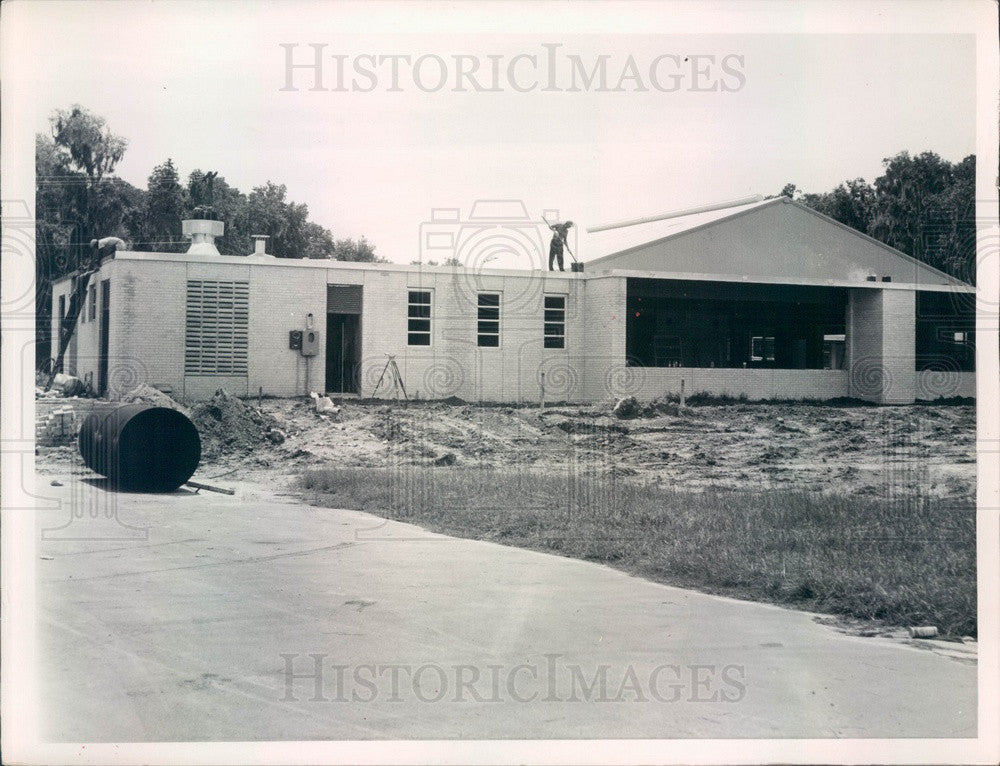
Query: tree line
{"x": 78, "y": 198}
{"x": 922, "y": 205}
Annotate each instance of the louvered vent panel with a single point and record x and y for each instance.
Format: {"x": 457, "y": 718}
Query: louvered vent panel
{"x": 343, "y": 299}
{"x": 215, "y": 341}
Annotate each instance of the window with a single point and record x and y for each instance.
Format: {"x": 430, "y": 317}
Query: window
{"x": 93, "y": 302}
{"x": 833, "y": 351}
{"x": 215, "y": 338}
{"x": 418, "y": 330}
{"x": 762, "y": 348}
{"x": 488, "y": 327}
{"x": 555, "y": 321}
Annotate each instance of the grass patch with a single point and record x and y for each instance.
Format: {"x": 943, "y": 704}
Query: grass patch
{"x": 905, "y": 561}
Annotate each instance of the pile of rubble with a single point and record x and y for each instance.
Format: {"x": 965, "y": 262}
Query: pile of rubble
{"x": 229, "y": 425}
{"x": 148, "y": 395}
{"x": 630, "y": 407}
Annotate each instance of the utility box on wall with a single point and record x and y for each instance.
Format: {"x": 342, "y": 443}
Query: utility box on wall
{"x": 310, "y": 343}
{"x": 295, "y": 340}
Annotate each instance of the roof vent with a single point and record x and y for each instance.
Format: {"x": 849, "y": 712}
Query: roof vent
{"x": 203, "y": 233}
{"x": 260, "y": 245}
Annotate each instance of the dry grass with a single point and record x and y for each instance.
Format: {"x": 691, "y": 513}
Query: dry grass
{"x": 898, "y": 561}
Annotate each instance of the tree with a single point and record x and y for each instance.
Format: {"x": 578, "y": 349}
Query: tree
{"x": 76, "y": 201}
{"x": 90, "y": 144}
{"x": 87, "y": 146}
{"x": 789, "y": 191}
{"x": 851, "y": 203}
{"x": 165, "y": 207}
{"x": 922, "y": 205}
{"x": 906, "y": 197}
{"x": 268, "y": 213}
{"x": 359, "y": 251}
{"x": 319, "y": 241}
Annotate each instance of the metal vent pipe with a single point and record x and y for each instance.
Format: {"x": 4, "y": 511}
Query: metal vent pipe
{"x": 677, "y": 214}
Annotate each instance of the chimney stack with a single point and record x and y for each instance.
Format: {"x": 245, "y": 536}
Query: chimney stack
{"x": 203, "y": 233}
{"x": 259, "y": 244}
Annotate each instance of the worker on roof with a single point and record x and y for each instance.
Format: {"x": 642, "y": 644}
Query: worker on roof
{"x": 559, "y": 232}
{"x": 102, "y": 248}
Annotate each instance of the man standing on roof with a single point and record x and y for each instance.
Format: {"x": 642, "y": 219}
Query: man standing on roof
{"x": 559, "y": 232}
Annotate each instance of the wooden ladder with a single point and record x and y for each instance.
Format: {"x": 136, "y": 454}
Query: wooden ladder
{"x": 68, "y": 325}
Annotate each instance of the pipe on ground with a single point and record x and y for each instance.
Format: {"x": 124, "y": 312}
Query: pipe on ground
{"x": 140, "y": 447}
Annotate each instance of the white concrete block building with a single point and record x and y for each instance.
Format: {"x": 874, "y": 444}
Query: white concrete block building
{"x": 763, "y": 300}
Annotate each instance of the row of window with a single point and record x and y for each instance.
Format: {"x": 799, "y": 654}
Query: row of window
{"x": 488, "y": 305}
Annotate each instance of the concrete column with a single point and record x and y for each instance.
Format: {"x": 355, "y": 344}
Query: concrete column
{"x": 881, "y": 339}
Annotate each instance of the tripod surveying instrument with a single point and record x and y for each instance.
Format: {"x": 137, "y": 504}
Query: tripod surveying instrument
{"x": 397, "y": 380}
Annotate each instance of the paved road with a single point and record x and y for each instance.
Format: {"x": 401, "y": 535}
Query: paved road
{"x": 196, "y": 628}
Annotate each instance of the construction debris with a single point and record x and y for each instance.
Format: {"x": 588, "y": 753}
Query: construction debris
{"x": 229, "y": 425}
{"x": 448, "y": 458}
{"x": 276, "y": 436}
{"x": 198, "y": 485}
{"x": 324, "y": 405}
{"x": 145, "y": 394}
{"x": 68, "y": 385}
{"x": 627, "y": 408}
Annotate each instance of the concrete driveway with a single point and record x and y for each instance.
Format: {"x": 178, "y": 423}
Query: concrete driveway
{"x": 257, "y": 617}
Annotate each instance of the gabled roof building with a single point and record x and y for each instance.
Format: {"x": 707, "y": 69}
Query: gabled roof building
{"x": 767, "y": 300}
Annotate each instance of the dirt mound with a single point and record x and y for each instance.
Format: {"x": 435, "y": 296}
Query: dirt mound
{"x": 148, "y": 395}
{"x": 229, "y": 425}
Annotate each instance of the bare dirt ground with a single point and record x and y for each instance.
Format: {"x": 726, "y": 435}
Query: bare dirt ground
{"x": 925, "y": 448}
{"x": 928, "y": 449}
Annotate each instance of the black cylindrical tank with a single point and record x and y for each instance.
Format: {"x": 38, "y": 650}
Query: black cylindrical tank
{"x": 141, "y": 447}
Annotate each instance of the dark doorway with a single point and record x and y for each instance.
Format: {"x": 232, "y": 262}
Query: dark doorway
{"x": 102, "y": 342}
{"x": 343, "y": 341}
{"x": 343, "y": 338}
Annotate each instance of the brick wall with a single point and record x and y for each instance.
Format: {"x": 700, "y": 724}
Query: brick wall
{"x": 653, "y": 382}
{"x": 881, "y": 337}
{"x": 146, "y": 339}
{"x": 454, "y": 365}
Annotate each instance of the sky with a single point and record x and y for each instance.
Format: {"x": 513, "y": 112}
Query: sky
{"x": 205, "y": 84}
